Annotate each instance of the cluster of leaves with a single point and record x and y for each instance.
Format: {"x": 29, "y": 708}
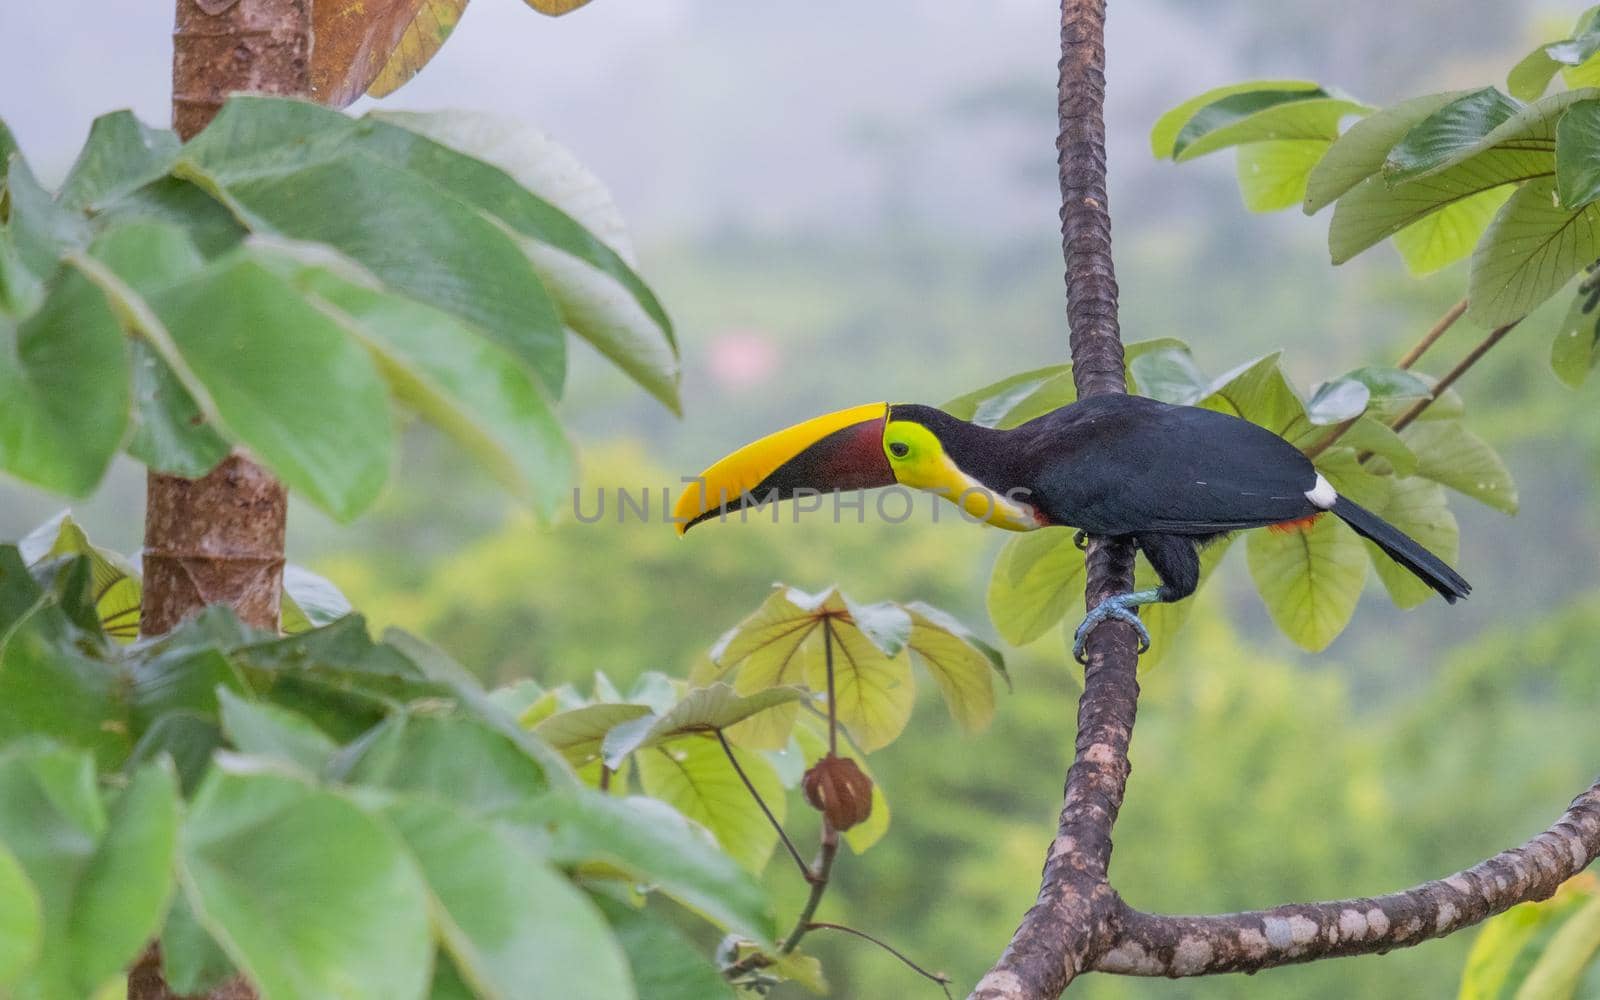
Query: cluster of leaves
{"x": 1549, "y": 950}
{"x": 281, "y": 280}
{"x": 1510, "y": 179}
{"x": 445, "y": 790}
{"x": 1310, "y": 577}
{"x": 327, "y": 814}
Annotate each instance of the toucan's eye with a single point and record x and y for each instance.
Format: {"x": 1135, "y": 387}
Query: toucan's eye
{"x": 899, "y": 449}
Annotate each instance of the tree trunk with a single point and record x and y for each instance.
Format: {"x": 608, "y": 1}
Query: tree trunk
{"x": 219, "y": 539}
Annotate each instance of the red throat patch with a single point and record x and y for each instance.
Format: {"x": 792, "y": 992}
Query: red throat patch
{"x": 1298, "y": 524}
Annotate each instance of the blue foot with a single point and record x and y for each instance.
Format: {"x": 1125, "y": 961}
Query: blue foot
{"x": 1120, "y": 607}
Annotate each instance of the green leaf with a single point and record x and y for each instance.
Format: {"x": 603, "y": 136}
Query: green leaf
{"x": 102, "y": 882}
{"x": 114, "y": 581}
{"x": 1531, "y": 128}
{"x": 1273, "y": 175}
{"x": 1531, "y": 76}
{"x": 573, "y": 232}
{"x": 1371, "y": 434}
{"x": 65, "y": 385}
{"x": 463, "y": 383}
{"x": 1338, "y": 400}
{"x": 1570, "y": 953}
{"x": 1373, "y": 211}
{"x": 1038, "y": 576}
{"x": 1164, "y": 135}
{"x": 666, "y": 965}
{"x": 1261, "y": 393}
{"x": 310, "y": 601}
{"x": 21, "y": 920}
{"x": 992, "y": 405}
{"x": 1417, "y": 507}
{"x": 1262, "y": 115}
{"x": 455, "y": 759}
{"x": 1445, "y": 236}
{"x": 50, "y": 687}
{"x": 1511, "y": 946}
{"x": 961, "y": 664}
{"x": 1309, "y": 578}
{"x": 1361, "y": 151}
{"x": 286, "y": 381}
{"x": 1449, "y": 454}
{"x": 1448, "y": 134}
{"x": 265, "y": 730}
{"x": 874, "y": 691}
{"x": 706, "y": 709}
{"x": 1531, "y": 249}
{"x": 1576, "y": 348}
{"x": 579, "y": 733}
{"x": 694, "y": 776}
{"x": 291, "y": 169}
{"x": 514, "y": 927}
{"x": 120, "y": 156}
{"x": 651, "y": 844}
{"x": 308, "y": 894}
{"x": 40, "y": 231}
{"x": 1166, "y": 371}
{"x": 191, "y": 962}
{"x": 174, "y": 202}
{"x": 1578, "y": 154}
{"x": 123, "y": 893}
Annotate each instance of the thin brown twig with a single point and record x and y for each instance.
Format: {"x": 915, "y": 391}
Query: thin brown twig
{"x": 938, "y": 977}
{"x": 819, "y": 875}
{"x": 783, "y": 835}
{"x": 833, "y": 715}
{"x": 1444, "y": 323}
{"x": 1462, "y": 367}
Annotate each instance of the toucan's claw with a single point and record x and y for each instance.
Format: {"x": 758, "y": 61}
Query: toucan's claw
{"x": 1081, "y": 540}
{"x": 1121, "y": 607}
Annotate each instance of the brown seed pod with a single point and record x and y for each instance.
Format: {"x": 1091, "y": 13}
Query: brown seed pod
{"x": 840, "y": 790}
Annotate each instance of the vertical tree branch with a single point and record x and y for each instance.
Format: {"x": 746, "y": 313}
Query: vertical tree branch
{"x": 1074, "y": 920}
{"x": 219, "y": 539}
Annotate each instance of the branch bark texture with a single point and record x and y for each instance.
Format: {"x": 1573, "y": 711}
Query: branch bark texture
{"x": 1078, "y": 922}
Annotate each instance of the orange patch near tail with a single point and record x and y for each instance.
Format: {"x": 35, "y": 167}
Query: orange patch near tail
{"x": 1298, "y": 524}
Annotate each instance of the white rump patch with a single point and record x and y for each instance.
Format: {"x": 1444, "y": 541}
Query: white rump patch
{"x": 1323, "y": 494}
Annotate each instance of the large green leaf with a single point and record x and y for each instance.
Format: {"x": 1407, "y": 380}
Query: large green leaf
{"x": 874, "y": 691}
{"x": 1535, "y": 951}
{"x": 961, "y": 664}
{"x": 1576, "y": 348}
{"x": 455, "y": 759}
{"x": 707, "y": 709}
{"x": 191, "y": 962}
{"x": 1578, "y": 154}
{"x": 49, "y": 686}
{"x": 992, "y": 405}
{"x": 1449, "y": 234}
{"x": 1418, "y": 507}
{"x": 1259, "y": 116}
{"x": 1530, "y": 128}
{"x": 286, "y": 380}
{"x": 666, "y": 965}
{"x": 120, "y": 156}
{"x": 1164, "y": 135}
{"x": 64, "y": 379}
{"x": 40, "y": 231}
{"x": 572, "y": 230}
{"x": 1310, "y": 578}
{"x": 265, "y": 730}
{"x": 1361, "y": 151}
{"x": 579, "y": 733}
{"x": 1530, "y": 251}
{"x": 694, "y": 776}
{"x": 1273, "y": 175}
{"x": 1448, "y": 453}
{"x": 291, "y": 169}
{"x": 310, "y": 601}
{"x": 1448, "y": 134}
{"x": 308, "y": 894}
{"x": 103, "y": 881}
{"x": 467, "y": 385}
{"x": 21, "y": 920}
{"x": 1261, "y": 393}
{"x": 1372, "y": 211}
{"x": 515, "y": 928}
{"x": 653, "y": 845}
{"x": 1037, "y": 578}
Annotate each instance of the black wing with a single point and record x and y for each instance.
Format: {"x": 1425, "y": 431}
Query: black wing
{"x": 1121, "y": 465}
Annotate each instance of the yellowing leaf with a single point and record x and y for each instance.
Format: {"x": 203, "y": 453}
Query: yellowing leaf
{"x": 960, "y": 664}
{"x": 1309, "y": 578}
{"x": 423, "y": 35}
{"x": 115, "y": 581}
{"x": 1516, "y": 945}
{"x": 579, "y": 732}
{"x": 707, "y": 709}
{"x": 875, "y": 692}
{"x": 1449, "y": 234}
{"x": 695, "y": 777}
{"x": 352, "y": 42}
{"x": 555, "y": 8}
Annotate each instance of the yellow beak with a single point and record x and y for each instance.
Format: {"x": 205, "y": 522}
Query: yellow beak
{"x": 838, "y": 451}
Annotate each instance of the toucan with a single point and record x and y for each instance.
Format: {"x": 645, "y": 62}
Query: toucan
{"x": 1170, "y": 479}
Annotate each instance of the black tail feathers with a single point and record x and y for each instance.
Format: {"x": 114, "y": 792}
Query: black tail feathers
{"x": 1403, "y": 549}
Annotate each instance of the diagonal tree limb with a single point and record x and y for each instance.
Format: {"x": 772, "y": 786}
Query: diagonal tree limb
{"x": 1152, "y": 945}
{"x": 1075, "y": 918}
